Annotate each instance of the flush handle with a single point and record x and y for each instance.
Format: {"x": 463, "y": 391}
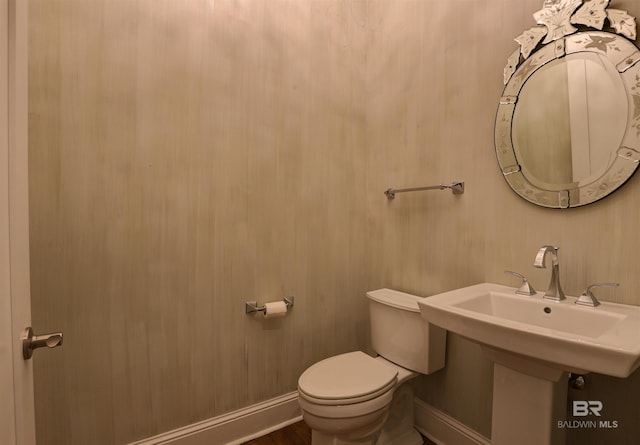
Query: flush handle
{"x": 31, "y": 342}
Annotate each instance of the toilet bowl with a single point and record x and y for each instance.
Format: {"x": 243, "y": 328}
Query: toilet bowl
{"x": 354, "y": 398}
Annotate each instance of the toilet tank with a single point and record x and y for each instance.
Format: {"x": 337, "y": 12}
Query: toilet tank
{"x": 401, "y": 335}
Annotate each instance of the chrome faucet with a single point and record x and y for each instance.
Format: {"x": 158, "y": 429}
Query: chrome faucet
{"x": 554, "y": 292}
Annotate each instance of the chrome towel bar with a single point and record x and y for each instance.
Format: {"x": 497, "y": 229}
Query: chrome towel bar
{"x": 456, "y": 187}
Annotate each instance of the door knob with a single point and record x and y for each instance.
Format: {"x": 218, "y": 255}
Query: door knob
{"x": 31, "y": 342}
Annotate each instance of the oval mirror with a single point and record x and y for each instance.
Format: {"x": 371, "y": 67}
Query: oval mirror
{"x": 567, "y": 128}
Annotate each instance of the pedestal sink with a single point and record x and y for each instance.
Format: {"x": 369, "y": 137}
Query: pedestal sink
{"x": 534, "y": 343}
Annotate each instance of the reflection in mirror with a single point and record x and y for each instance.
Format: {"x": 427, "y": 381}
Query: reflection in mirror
{"x": 568, "y": 124}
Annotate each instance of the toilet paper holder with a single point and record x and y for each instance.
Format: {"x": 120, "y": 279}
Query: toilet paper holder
{"x": 252, "y": 306}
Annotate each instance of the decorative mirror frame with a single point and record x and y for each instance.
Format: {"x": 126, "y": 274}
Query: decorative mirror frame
{"x": 555, "y": 25}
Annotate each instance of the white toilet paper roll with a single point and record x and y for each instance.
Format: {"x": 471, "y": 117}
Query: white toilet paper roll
{"x": 275, "y": 309}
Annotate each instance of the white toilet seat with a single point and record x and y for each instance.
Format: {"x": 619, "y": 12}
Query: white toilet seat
{"x": 349, "y": 410}
{"x": 349, "y": 378}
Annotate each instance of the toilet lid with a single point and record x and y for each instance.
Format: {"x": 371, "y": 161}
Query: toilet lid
{"x": 394, "y": 298}
{"x": 353, "y": 375}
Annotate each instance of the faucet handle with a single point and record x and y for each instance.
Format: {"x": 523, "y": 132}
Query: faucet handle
{"x": 588, "y": 299}
{"x": 526, "y": 288}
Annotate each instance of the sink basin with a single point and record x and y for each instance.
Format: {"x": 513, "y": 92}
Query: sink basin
{"x": 560, "y": 335}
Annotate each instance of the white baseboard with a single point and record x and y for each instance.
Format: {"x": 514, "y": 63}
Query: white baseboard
{"x": 263, "y": 418}
{"x": 236, "y": 427}
{"x": 443, "y": 429}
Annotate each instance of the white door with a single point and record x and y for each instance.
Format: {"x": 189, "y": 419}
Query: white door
{"x": 17, "y": 426}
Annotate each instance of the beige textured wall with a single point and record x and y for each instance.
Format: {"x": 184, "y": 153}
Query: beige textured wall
{"x": 186, "y": 156}
{"x": 435, "y": 76}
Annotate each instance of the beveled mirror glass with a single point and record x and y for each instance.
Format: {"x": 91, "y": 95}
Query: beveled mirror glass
{"x": 568, "y": 125}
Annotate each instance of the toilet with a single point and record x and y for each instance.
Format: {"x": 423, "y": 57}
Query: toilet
{"x": 354, "y": 398}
